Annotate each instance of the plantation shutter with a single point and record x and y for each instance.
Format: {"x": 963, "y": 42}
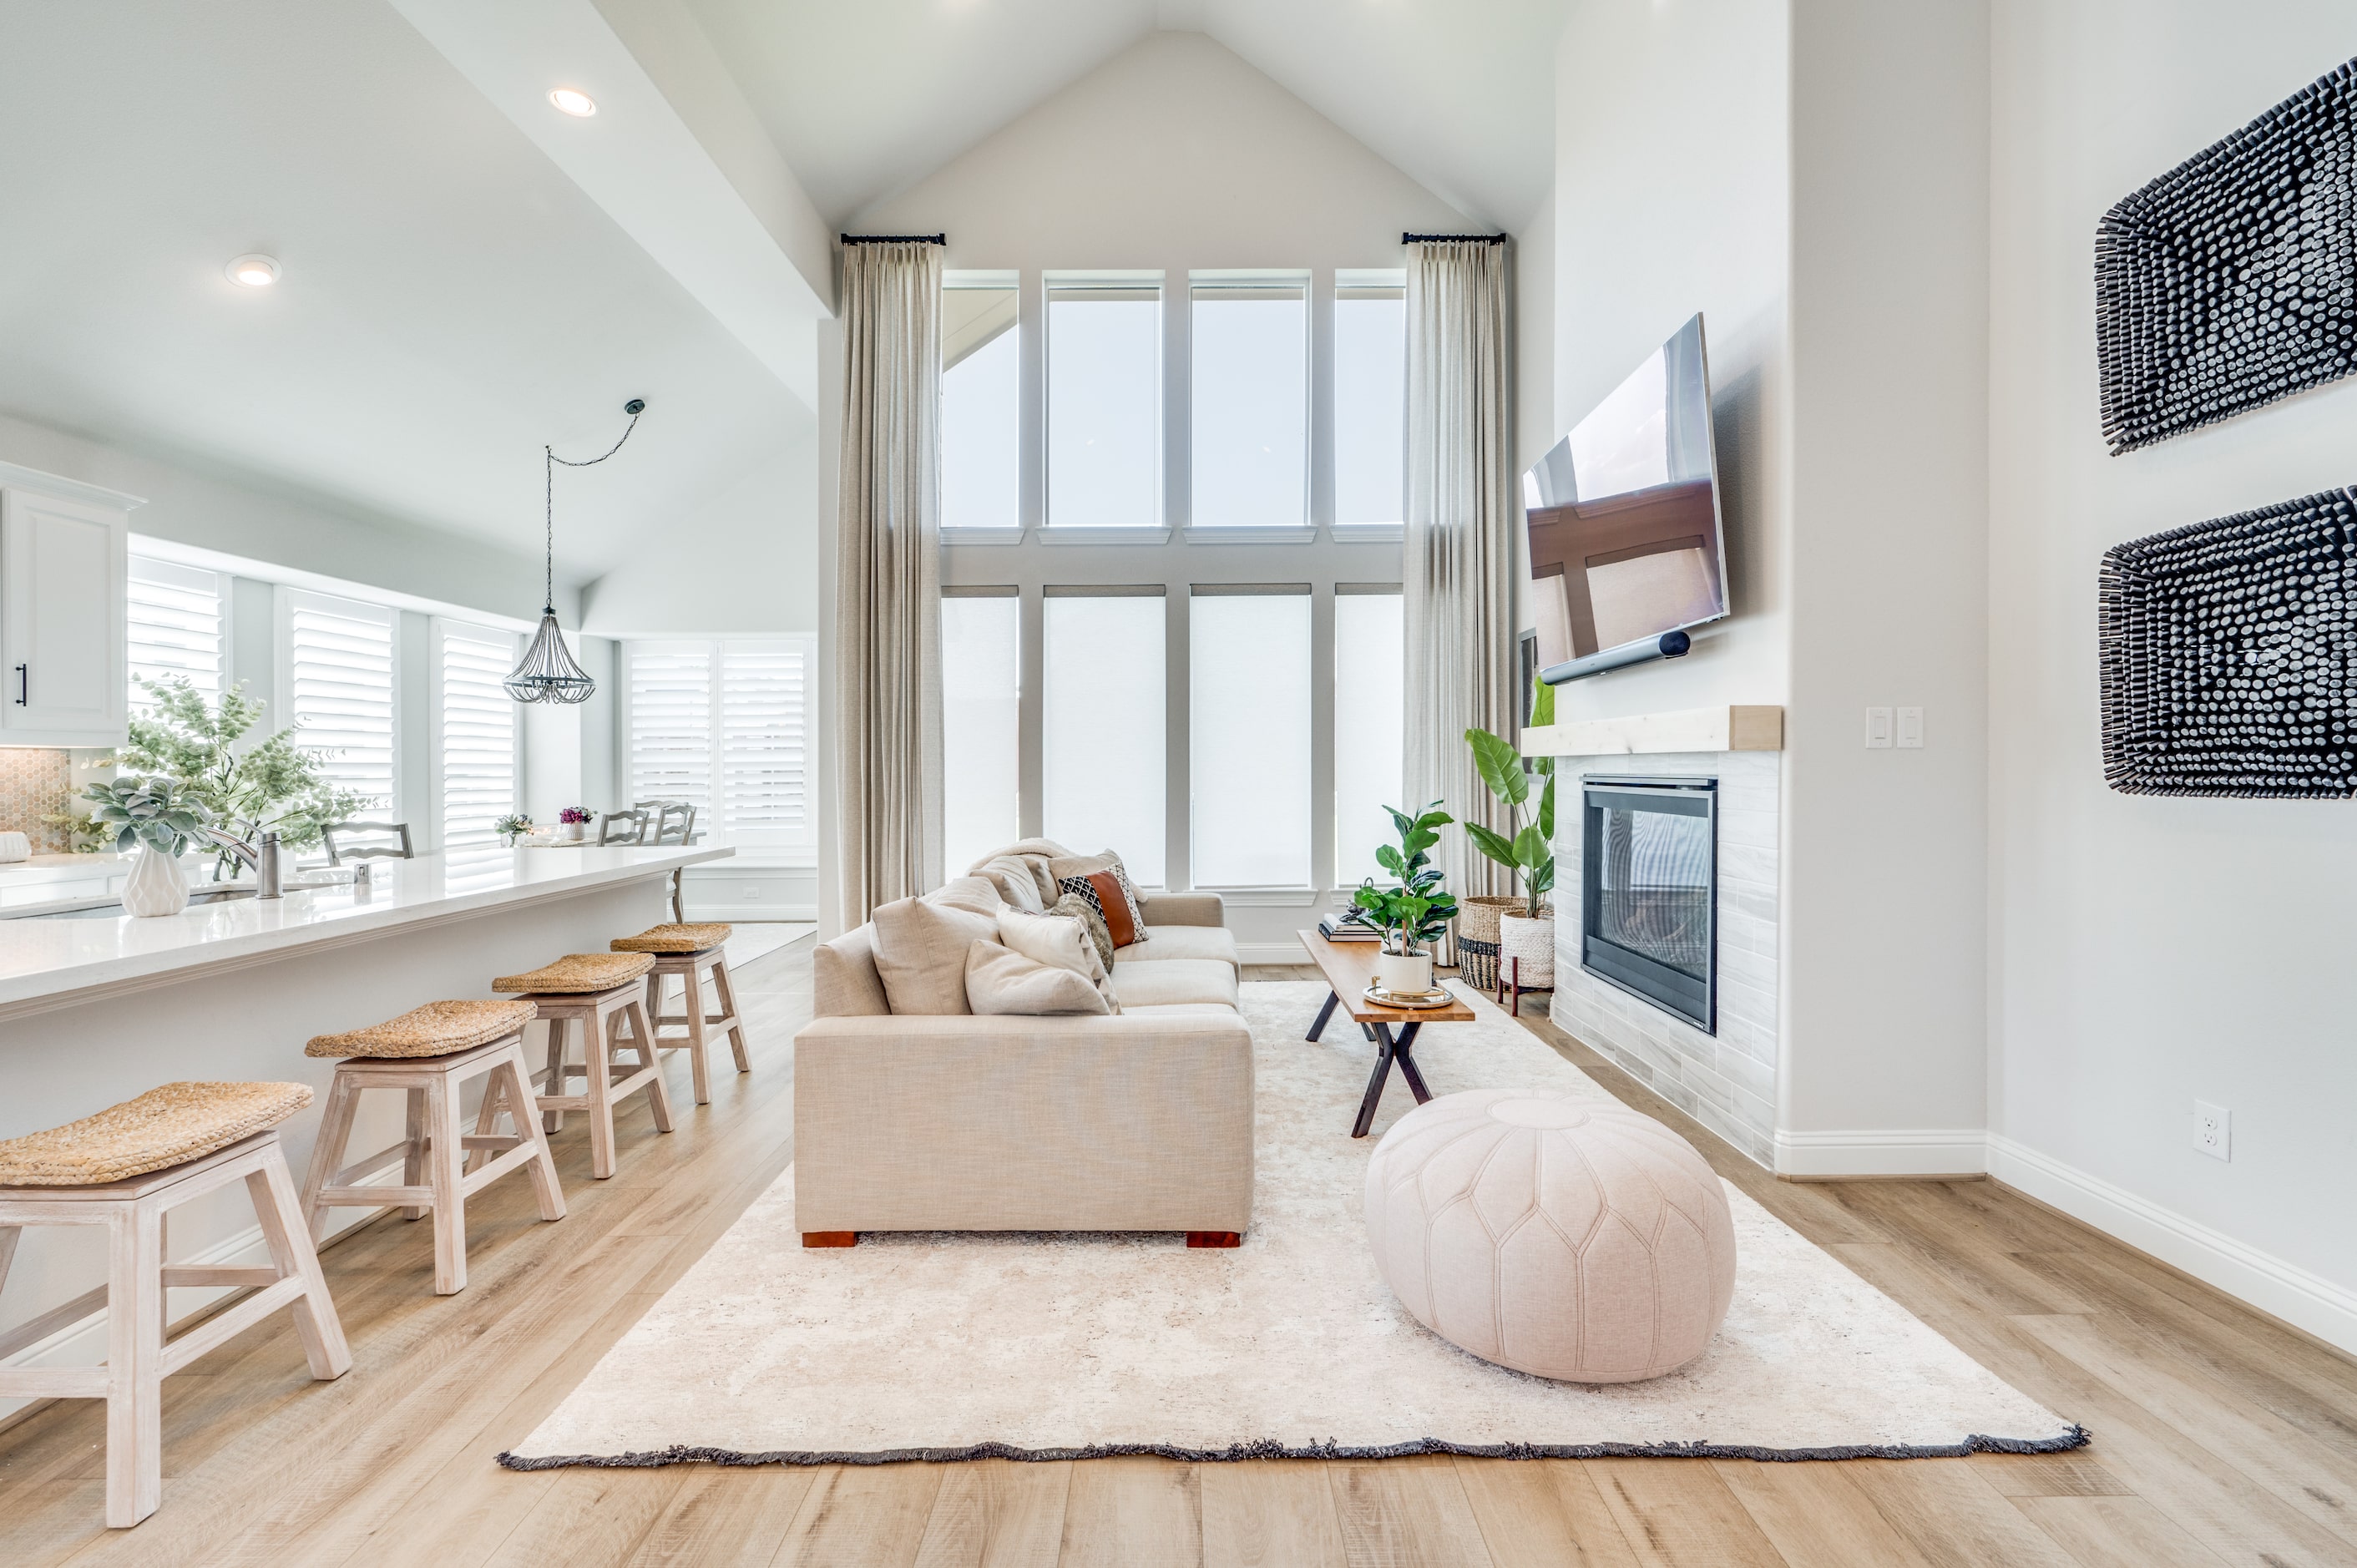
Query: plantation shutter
{"x": 338, "y": 687}
{"x": 764, "y": 783}
{"x": 175, "y": 619}
{"x": 671, "y": 722}
{"x": 477, "y": 722}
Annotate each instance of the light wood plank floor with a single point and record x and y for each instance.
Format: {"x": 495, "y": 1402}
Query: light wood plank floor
{"x": 2220, "y": 1436}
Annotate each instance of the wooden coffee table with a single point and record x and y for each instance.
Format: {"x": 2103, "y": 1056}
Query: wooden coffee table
{"x": 1349, "y": 969}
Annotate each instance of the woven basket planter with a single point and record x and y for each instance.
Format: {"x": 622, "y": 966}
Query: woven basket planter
{"x": 1476, "y": 938}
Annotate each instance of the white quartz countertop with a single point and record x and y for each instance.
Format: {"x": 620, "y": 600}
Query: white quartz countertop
{"x": 48, "y": 962}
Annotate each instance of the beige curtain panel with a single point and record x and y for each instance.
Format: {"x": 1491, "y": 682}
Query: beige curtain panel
{"x": 888, "y": 740}
{"x": 1459, "y": 557}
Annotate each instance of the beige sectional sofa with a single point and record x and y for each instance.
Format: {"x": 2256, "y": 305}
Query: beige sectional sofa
{"x": 1139, "y": 1121}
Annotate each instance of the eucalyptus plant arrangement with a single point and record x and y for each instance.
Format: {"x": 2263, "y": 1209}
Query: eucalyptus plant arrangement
{"x": 275, "y": 784}
{"x": 157, "y": 812}
{"x": 1529, "y": 850}
{"x": 1416, "y": 911}
{"x": 512, "y": 827}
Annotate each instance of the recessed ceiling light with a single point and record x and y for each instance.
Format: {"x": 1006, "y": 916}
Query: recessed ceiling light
{"x": 578, "y": 104}
{"x": 254, "y": 272}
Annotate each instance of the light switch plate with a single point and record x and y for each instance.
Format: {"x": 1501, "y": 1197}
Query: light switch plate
{"x": 2212, "y": 1128}
{"x": 1910, "y": 729}
{"x": 1877, "y": 729}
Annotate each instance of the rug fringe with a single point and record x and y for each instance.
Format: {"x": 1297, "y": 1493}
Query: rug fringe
{"x": 1268, "y": 1448}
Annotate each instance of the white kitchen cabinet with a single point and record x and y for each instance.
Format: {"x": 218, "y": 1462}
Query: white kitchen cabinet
{"x": 64, "y": 565}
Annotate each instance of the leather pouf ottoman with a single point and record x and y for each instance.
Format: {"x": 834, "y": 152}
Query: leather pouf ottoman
{"x": 1564, "y": 1236}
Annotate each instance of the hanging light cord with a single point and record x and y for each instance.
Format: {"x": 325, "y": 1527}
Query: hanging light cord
{"x": 548, "y": 579}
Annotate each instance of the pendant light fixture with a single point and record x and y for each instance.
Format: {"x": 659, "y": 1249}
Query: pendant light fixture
{"x": 547, "y": 673}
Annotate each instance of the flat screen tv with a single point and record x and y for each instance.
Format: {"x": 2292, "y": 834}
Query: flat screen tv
{"x": 1626, "y": 549}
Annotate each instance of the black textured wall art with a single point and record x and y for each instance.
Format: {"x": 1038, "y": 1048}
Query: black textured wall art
{"x": 2231, "y": 281}
{"x": 2227, "y": 655}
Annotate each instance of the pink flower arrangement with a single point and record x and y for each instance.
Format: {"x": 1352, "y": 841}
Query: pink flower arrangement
{"x": 573, "y": 814}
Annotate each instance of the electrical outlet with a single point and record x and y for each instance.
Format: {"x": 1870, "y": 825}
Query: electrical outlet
{"x": 1877, "y": 729}
{"x": 2212, "y": 1127}
{"x": 1910, "y": 729}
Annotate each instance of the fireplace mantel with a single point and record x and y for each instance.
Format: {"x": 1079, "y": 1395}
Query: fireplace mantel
{"x": 1733, "y": 728}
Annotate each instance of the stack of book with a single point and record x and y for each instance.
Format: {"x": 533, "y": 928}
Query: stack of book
{"x": 1333, "y": 929}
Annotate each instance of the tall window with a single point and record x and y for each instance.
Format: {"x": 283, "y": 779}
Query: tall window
{"x": 1251, "y": 416}
{"x": 1103, "y": 746}
{"x": 1370, "y": 687}
{"x": 476, "y": 734}
{"x": 338, "y": 684}
{"x": 176, "y": 616}
{"x": 1104, "y": 407}
{"x": 1248, "y": 734}
{"x": 1369, "y": 405}
{"x": 981, "y": 406}
{"x": 723, "y": 726}
{"x": 982, "y": 699}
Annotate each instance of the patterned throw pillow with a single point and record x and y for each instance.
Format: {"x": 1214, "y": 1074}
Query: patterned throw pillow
{"x": 1104, "y": 882}
{"x": 1092, "y": 917}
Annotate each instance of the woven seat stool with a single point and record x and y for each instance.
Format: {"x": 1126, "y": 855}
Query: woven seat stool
{"x": 605, "y": 996}
{"x": 123, "y": 1169}
{"x": 430, "y": 1054}
{"x": 691, "y": 952}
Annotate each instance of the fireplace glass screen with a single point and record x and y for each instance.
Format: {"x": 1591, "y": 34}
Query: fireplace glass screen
{"x": 1648, "y": 878}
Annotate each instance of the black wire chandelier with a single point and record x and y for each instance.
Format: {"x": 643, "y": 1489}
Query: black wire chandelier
{"x": 547, "y": 673}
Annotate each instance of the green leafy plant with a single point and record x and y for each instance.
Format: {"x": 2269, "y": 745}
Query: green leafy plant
{"x": 276, "y": 785}
{"x": 1529, "y": 852}
{"x": 1416, "y": 911}
{"x": 513, "y": 827}
{"x": 157, "y": 812}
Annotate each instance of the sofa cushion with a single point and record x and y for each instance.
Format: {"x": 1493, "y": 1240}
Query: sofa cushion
{"x": 1104, "y": 878}
{"x": 1180, "y": 1010}
{"x": 920, "y": 949}
{"x": 1059, "y": 940}
{"x": 1016, "y": 884}
{"x": 1183, "y": 941}
{"x": 977, "y": 894}
{"x": 1001, "y": 981}
{"x": 1177, "y": 980}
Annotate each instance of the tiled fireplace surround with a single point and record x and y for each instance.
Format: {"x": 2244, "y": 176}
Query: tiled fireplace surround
{"x": 1727, "y": 1082}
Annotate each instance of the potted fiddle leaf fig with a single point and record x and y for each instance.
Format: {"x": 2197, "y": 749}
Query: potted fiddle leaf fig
{"x": 160, "y": 818}
{"x": 1525, "y": 786}
{"x": 1412, "y": 914}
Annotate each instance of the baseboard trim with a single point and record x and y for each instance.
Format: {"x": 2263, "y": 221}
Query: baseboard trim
{"x": 1910, "y": 1153}
{"x": 2308, "y": 1302}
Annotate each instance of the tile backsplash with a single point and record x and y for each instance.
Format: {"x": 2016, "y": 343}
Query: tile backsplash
{"x": 33, "y": 784}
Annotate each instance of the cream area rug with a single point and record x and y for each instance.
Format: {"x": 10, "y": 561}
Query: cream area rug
{"x": 941, "y": 1346}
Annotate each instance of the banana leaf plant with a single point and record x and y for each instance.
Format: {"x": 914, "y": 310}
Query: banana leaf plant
{"x": 1416, "y": 911}
{"x": 1529, "y": 850}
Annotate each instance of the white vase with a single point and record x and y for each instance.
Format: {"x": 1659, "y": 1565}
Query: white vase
{"x": 1403, "y": 974}
{"x": 1532, "y": 941}
{"x": 568, "y": 833}
{"x": 155, "y": 886}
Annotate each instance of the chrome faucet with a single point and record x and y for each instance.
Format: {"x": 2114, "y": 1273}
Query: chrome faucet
{"x": 262, "y": 856}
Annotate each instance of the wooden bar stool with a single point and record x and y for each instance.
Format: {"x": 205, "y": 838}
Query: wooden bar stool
{"x": 691, "y": 952}
{"x": 125, "y": 1168}
{"x": 605, "y": 994}
{"x": 430, "y": 1053}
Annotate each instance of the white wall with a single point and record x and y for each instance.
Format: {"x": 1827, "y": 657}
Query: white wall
{"x": 1672, "y": 194}
{"x": 1884, "y": 852}
{"x": 2148, "y": 952}
{"x": 744, "y": 563}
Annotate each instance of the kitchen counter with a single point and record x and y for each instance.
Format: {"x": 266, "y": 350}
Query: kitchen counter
{"x": 51, "y": 962}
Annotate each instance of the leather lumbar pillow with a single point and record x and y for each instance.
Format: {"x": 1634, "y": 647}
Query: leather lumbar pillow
{"x": 1000, "y": 980}
{"x": 1103, "y": 881}
{"x": 921, "y": 954}
{"x": 1061, "y": 941}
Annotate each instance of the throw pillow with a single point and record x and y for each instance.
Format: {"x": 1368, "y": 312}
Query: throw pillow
{"x": 1092, "y": 917}
{"x": 999, "y": 981}
{"x": 1048, "y": 847}
{"x": 976, "y": 894}
{"x": 1059, "y": 940}
{"x": 920, "y": 951}
{"x": 1103, "y": 881}
{"x": 1014, "y": 881}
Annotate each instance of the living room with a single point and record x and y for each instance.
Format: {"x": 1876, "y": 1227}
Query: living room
{"x": 1429, "y": 784}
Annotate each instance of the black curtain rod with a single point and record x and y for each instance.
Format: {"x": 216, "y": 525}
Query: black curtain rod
{"x": 1469, "y": 239}
{"x": 894, "y": 238}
